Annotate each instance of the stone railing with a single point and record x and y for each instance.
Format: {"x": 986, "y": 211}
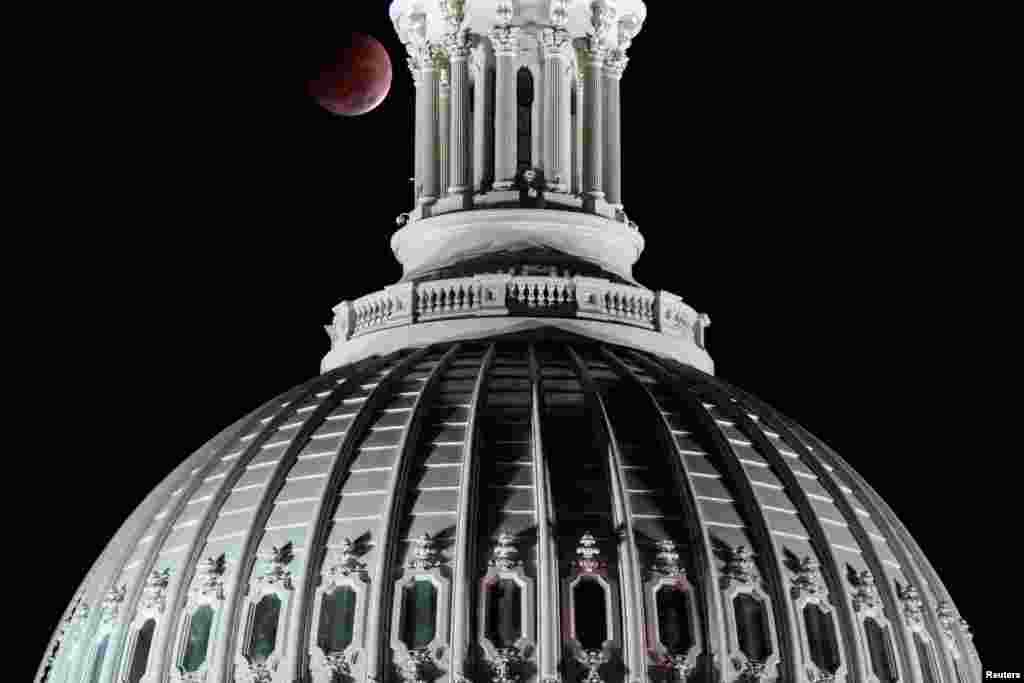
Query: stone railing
{"x": 502, "y": 294}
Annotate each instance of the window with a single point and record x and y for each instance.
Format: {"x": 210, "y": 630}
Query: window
{"x": 198, "y": 639}
{"x": 674, "y": 629}
{"x": 504, "y": 613}
{"x": 97, "y": 664}
{"x": 419, "y": 614}
{"x": 821, "y": 637}
{"x": 140, "y": 655}
{"x": 590, "y": 614}
{"x": 924, "y": 657}
{"x": 524, "y": 118}
{"x": 264, "y": 628}
{"x": 337, "y": 620}
{"x": 752, "y": 627}
{"x": 883, "y": 661}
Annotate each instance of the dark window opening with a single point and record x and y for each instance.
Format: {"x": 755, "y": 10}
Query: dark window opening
{"x": 821, "y": 636}
{"x": 524, "y": 118}
{"x": 590, "y": 614}
{"x": 198, "y": 639}
{"x": 419, "y": 612}
{"x": 264, "y": 628}
{"x": 924, "y": 657}
{"x": 504, "y": 613}
{"x": 674, "y": 630}
{"x": 337, "y": 619}
{"x": 140, "y": 658}
{"x": 883, "y": 661}
{"x": 752, "y": 627}
{"x": 97, "y": 665}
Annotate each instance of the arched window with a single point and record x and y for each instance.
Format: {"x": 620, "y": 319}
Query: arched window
{"x": 198, "y": 641}
{"x": 140, "y": 655}
{"x": 337, "y": 620}
{"x": 504, "y": 613}
{"x": 97, "y": 662}
{"x": 419, "y": 614}
{"x": 674, "y": 627}
{"x": 524, "y": 118}
{"x": 883, "y": 661}
{"x": 924, "y": 657}
{"x": 752, "y": 627}
{"x": 264, "y": 628}
{"x": 590, "y": 613}
{"x": 821, "y": 636}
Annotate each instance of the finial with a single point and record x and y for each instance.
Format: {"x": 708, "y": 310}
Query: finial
{"x": 111, "y": 605}
{"x": 154, "y": 593}
{"x": 277, "y": 561}
{"x": 913, "y": 606}
{"x": 667, "y": 560}
{"x": 740, "y": 567}
{"x": 209, "y": 579}
{"x": 342, "y": 562}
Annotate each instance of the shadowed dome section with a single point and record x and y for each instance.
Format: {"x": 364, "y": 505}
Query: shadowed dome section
{"x": 538, "y": 494}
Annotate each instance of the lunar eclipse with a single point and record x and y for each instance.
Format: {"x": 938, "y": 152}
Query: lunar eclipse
{"x": 355, "y": 79}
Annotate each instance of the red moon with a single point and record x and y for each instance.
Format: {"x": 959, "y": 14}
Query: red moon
{"x": 357, "y": 80}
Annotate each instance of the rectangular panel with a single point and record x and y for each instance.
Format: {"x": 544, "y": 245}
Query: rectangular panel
{"x": 436, "y": 476}
{"x": 434, "y": 501}
{"x": 723, "y": 513}
{"x": 293, "y": 513}
{"x": 374, "y": 480}
{"x": 359, "y": 506}
{"x": 369, "y": 459}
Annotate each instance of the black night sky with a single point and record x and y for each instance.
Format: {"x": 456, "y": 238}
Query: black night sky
{"x": 794, "y": 177}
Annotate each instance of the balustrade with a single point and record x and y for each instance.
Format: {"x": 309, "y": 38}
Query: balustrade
{"x": 509, "y": 294}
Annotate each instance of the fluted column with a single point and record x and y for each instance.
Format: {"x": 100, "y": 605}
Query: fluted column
{"x": 556, "y": 104}
{"x": 443, "y": 126}
{"x": 577, "y": 137}
{"x": 457, "y": 47}
{"x": 614, "y": 65}
{"x": 593, "y": 132}
{"x": 483, "y": 159}
{"x": 506, "y": 50}
{"x": 417, "y": 183}
{"x": 426, "y": 127}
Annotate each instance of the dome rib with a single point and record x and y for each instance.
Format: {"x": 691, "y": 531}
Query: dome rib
{"x": 727, "y": 461}
{"x": 213, "y": 512}
{"x": 905, "y": 549}
{"x": 712, "y": 620}
{"x": 321, "y": 518}
{"x": 130, "y": 605}
{"x": 547, "y": 546}
{"x": 839, "y": 596}
{"x": 380, "y": 588}
{"x": 629, "y": 562}
{"x": 241, "y": 570}
{"x": 465, "y": 529}
{"x": 870, "y": 554}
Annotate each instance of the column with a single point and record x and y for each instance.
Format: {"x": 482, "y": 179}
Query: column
{"x": 556, "y": 105}
{"x": 506, "y": 51}
{"x": 593, "y": 134}
{"x": 577, "y": 137}
{"x": 443, "y": 126}
{"x": 426, "y": 127}
{"x": 417, "y": 78}
{"x": 612, "y": 72}
{"x": 479, "y": 71}
{"x": 459, "y": 141}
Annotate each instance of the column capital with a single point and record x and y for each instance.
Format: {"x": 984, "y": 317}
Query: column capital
{"x": 615, "y": 63}
{"x": 505, "y": 40}
{"x": 602, "y": 19}
{"x": 554, "y": 41}
{"x": 457, "y": 45}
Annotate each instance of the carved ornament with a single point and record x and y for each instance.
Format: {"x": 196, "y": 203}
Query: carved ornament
{"x": 425, "y": 555}
{"x": 587, "y": 555}
{"x": 111, "y": 605}
{"x": 209, "y": 581}
{"x": 913, "y": 606}
{"x": 739, "y": 568}
{"x": 807, "y": 580}
{"x": 154, "y": 593}
{"x": 505, "y": 554}
{"x": 342, "y": 563}
{"x": 865, "y": 595}
{"x": 277, "y": 561}
{"x": 666, "y": 562}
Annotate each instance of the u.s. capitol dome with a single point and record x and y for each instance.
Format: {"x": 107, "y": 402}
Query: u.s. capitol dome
{"x": 517, "y": 464}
